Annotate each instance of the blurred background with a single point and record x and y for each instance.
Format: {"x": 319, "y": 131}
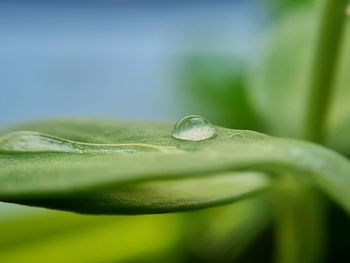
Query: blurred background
{"x": 242, "y": 64}
{"x": 102, "y": 58}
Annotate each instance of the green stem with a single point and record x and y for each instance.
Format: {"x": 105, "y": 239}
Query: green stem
{"x": 305, "y": 205}
{"x": 323, "y": 71}
{"x": 298, "y": 205}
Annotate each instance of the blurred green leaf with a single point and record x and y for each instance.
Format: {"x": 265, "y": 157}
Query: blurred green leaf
{"x": 228, "y": 167}
{"x": 339, "y": 120}
{"x": 296, "y": 206}
{"x": 279, "y": 8}
{"x": 215, "y": 86}
{"x": 66, "y": 237}
{"x": 279, "y": 80}
{"x": 222, "y": 233}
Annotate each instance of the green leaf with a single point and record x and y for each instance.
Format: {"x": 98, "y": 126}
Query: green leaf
{"x": 191, "y": 175}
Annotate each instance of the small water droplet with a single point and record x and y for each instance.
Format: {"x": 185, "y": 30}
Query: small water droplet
{"x": 28, "y": 141}
{"x": 193, "y": 128}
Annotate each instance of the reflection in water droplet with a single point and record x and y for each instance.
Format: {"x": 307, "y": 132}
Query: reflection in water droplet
{"x": 28, "y": 141}
{"x": 193, "y": 128}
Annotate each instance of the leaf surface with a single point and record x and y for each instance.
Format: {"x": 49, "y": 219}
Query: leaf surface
{"x": 229, "y": 167}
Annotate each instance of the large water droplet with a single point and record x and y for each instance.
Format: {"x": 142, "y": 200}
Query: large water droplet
{"x": 193, "y": 128}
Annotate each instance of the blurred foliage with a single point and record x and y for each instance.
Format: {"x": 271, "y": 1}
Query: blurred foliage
{"x": 269, "y": 96}
{"x": 299, "y": 222}
{"x": 339, "y": 118}
{"x": 228, "y": 231}
{"x": 52, "y": 236}
{"x": 277, "y": 8}
{"x": 64, "y": 237}
{"x": 216, "y": 87}
{"x": 278, "y": 79}
{"x": 274, "y": 88}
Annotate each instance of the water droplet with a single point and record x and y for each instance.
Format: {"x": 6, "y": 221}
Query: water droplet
{"x": 28, "y": 141}
{"x": 193, "y": 128}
